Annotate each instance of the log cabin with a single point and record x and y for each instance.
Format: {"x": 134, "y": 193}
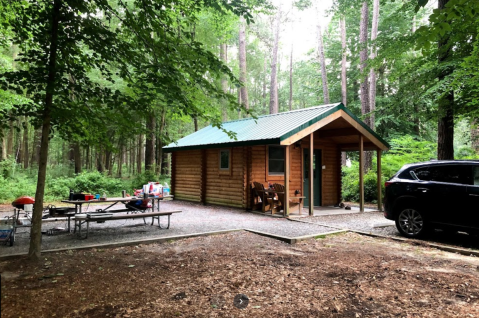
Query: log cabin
{"x": 211, "y": 167}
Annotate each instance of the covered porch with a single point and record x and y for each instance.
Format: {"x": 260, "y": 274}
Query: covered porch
{"x": 321, "y": 145}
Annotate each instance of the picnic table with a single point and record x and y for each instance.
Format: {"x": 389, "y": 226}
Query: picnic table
{"x": 114, "y": 201}
{"x": 79, "y": 219}
{"x": 83, "y": 218}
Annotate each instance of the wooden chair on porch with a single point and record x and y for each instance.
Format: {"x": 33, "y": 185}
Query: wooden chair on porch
{"x": 293, "y": 201}
{"x": 267, "y": 198}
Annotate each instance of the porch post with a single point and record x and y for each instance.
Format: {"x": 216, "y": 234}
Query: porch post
{"x": 286, "y": 181}
{"x": 361, "y": 174}
{"x": 380, "y": 197}
{"x": 311, "y": 175}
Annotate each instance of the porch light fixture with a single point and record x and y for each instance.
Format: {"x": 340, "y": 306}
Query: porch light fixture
{"x": 297, "y": 145}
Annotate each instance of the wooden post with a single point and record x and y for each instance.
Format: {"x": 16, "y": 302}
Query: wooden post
{"x": 286, "y": 181}
{"x": 361, "y": 174}
{"x": 173, "y": 172}
{"x": 311, "y": 174}
{"x": 380, "y": 197}
{"x": 203, "y": 176}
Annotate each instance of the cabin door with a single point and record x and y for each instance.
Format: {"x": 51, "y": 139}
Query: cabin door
{"x": 316, "y": 174}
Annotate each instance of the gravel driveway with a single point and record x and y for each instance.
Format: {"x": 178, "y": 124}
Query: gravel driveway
{"x": 374, "y": 222}
{"x": 194, "y": 218}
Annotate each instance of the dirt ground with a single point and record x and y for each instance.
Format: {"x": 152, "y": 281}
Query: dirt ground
{"x": 344, "y": 275}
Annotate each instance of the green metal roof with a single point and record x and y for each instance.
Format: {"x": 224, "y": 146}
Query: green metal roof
{"x": 267, "y": 129}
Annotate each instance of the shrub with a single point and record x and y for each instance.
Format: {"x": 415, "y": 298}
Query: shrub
{"x": 404, "y": 150}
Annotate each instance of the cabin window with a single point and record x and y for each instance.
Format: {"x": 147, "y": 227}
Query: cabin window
{"x": 224, "y": 159}
{"x": 275, "y": 160}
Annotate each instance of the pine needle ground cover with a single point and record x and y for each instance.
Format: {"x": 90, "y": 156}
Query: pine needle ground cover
{"x": 339, "y": 276}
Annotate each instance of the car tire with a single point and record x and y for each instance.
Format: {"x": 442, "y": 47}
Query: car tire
{"x": 411, "y": 222}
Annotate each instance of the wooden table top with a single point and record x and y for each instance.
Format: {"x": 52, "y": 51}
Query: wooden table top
{"x": 120, "y": 199}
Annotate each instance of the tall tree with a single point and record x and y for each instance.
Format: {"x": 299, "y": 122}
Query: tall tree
{"x": 224, "y": 79}
{"x": 36, "y": 234}
{"x": 363, "y": 56}
{"x": 242, "y": 63}
{"x": 372, "y": 74}
{"x": 344, "y": 84}
{"x": 26, "y": 155}
{"x": 445, "y": 126}
{"x": 150, "y": 142}
{"x": 273, "y": 92}
{"x": 322, "y": 61}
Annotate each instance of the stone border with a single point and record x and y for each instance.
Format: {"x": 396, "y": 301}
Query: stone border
{"x": 289, "y": 240}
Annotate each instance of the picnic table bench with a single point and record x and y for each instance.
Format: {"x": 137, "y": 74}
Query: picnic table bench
{"x": 83, "y": 218}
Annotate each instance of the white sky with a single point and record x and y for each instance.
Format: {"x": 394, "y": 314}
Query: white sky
{"x": 304, "y": 35}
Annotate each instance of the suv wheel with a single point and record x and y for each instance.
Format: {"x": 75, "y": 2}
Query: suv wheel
{"x": 410, "y": 222}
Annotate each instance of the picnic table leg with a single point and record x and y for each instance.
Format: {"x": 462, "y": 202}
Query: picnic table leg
{"x": 159, "y": 225}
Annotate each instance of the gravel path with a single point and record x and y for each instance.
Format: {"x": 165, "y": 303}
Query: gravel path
{"x": 370, "y": 222}
{"x": 194, "y": 218}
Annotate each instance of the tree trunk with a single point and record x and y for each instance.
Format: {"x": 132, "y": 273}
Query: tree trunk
{"x": 4, "y": 146}
{"x": 265, "y": 79}
{"x": 242, "y": 64}
{"x": 291, "y": 62}
{"x": 99, "y": 160}
{"x": 11, "y": 132}
{"x": 224, "y": 81}
{"x": 372, "y": 74}
{"x": 140, "y": 154}
{"x": 26, "y": 154}
{"x": 150, "y": 142}
{"x": 121, "y": 148}
{"x": 34, "y": 252}
{"x": 107, "y": 163}
{"x": 363, "y": 56}
{"x": 322, "y": 61}
{"x": 87, "y": 158}
{"x": 291, "y": 79}
{"x": 475, "y": 135}
{"x": 445, "y": 127}
{"x": 160, "y": 140}
{"x": 344, "y": 87}
{"x": 273, "y": 105}
{"x": 164, "y": 164}
{"x": 77, "y": 157}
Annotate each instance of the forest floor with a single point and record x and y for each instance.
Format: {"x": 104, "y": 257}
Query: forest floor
{"x": 345, "y": 275}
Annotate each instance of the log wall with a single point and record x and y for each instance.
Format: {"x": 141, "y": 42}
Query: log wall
{"x": 186, "y": 175}
{"x": 226, "y": 187}
{"x": 195, "y": 170}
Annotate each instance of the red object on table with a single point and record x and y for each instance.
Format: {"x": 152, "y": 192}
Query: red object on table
{"x": 89, "y": 197}
{"x": 21, "y": 201}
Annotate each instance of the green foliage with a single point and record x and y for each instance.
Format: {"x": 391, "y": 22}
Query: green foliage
{"x": 404, "y": 150}
{"x": 58, "y": 189}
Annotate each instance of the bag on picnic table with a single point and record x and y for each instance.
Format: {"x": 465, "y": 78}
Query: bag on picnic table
{"x": 139, "y": 204}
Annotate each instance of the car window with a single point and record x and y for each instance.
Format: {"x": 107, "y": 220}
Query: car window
{"x": 476, "y": 175}
{"x": 451, "y": 174}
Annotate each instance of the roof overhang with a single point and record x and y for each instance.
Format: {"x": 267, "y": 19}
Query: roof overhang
{"x": 357, "y": 127}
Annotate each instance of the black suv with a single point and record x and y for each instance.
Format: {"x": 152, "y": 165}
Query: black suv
{"x": 434, "y": 194}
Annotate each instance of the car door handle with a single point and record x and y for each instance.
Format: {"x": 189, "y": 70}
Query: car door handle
{"x": 473, "y": 195}
{"x": 423, "y": 190}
